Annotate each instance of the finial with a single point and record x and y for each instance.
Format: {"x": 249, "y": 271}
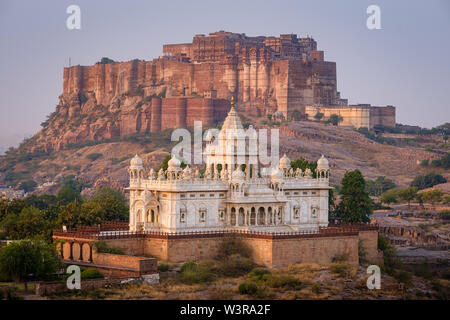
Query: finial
{"x": 232, "y": 101}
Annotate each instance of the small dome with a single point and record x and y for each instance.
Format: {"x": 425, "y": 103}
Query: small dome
{"x": 209, "y": 136}
{"x": 174, "y": 164}
{"x": 136, "y": 161}
{"x": 322, "y": 163}
{"x": 285, "y": 162}
{"x": 238, "y": 174}
{"x": 308, "y": 172}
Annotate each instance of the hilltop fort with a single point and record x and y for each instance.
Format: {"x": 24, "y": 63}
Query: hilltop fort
{"x": 194, "y": 81}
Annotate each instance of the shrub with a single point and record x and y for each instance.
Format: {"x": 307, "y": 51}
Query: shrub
{"x": 94, "y": 156}
{"x": 339, "y": 268}
{"x": 442, "y": 291}
{"x": 163, "y": 267}
{"x": 316, "y": 288}
{"x": 248, "y": 287}
{"x": 193, "y": 273}
{"x": 403, "y": 277}
{"x": 91, "y": 273}
{"x": 236, "y": 265}
{"x": 9, "y": 293}
{"x": 233, "y": 246}
{"x": 445, "y": 214}
{"x": 423, "y": 270}
{"x": 189, "y": 265}
{"x": 258, "y": 273}
{"x": 389, "y": 254}
{"x": 102, "y": 247}
{"x": 285, "y": 281}
{"x": 105, "y": 60}
{"x": 197, "y": 276}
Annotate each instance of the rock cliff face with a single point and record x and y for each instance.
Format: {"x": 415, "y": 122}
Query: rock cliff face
{"x": 91, "y": 108}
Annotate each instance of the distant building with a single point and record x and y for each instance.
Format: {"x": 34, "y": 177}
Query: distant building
{"x": 357, "y": 116}
{"x": 10, "y": 193}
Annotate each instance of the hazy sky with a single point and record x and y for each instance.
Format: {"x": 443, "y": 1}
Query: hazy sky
{"x": 405, "y": 64}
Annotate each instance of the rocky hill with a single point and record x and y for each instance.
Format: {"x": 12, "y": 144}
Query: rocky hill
{"x": 104, "y": 162}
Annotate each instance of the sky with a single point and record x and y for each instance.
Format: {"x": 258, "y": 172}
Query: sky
{"x": 406, "y": 63}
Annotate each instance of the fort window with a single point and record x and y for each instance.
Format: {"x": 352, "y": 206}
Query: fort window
{"x": 221, "y": 195}
{"x": 287, "y": 193}
{"x": 211, "y": 195}
{"x": 183, "y": 216}
{"x": 305, "y": 193}
{"x": 222, "y": 215}
{"x": 202, "y": 195}
{"x": 314, "y": 192}
{"x": 295, "y": 193}
{"x": 183, "y": 196}
{"x": 296, "y": 212}
{"x": 202, "y": 215}
{"x": 314, "y": 212}
{"x": 192, "y": 195}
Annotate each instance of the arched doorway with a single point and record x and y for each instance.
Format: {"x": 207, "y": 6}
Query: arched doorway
{"x": 241, "y": 216}
{"x": 261, "y": 216}
{"x": 233, "y": 217}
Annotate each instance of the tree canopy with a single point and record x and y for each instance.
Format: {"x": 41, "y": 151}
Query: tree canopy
{"x": 19, "y": 260}
{"x": 427, "y": 181}
{"x": 379, "y": 185}
{"x": 355, "y": 205}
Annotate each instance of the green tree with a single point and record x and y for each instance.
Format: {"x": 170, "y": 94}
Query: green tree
{"x": 318, "y": 116}
{"x": 28, "y": 185}
{"x": 302, "y": 163}
{"x": 29, "y": 223}
{"x": 67, "y": 195}
{"x": 334, "y": 119}
{"x": 70, "y": 182}
{"x": 21, "y": 259}
{"x": 355, "y": 205}
{"x": 105, "y": 60}
{"x": 408, "y": 194}
{"x": 379, "y": 185}
{"x": 107, "y": 204}
{"x": 70, "y": 215}
{"x": 389, "y": 196}
{"x": 8, "y": 206}
{"x": 427, "y": 181}
{"x": 432, "y": 196}
{"x": 42, "y": 202}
